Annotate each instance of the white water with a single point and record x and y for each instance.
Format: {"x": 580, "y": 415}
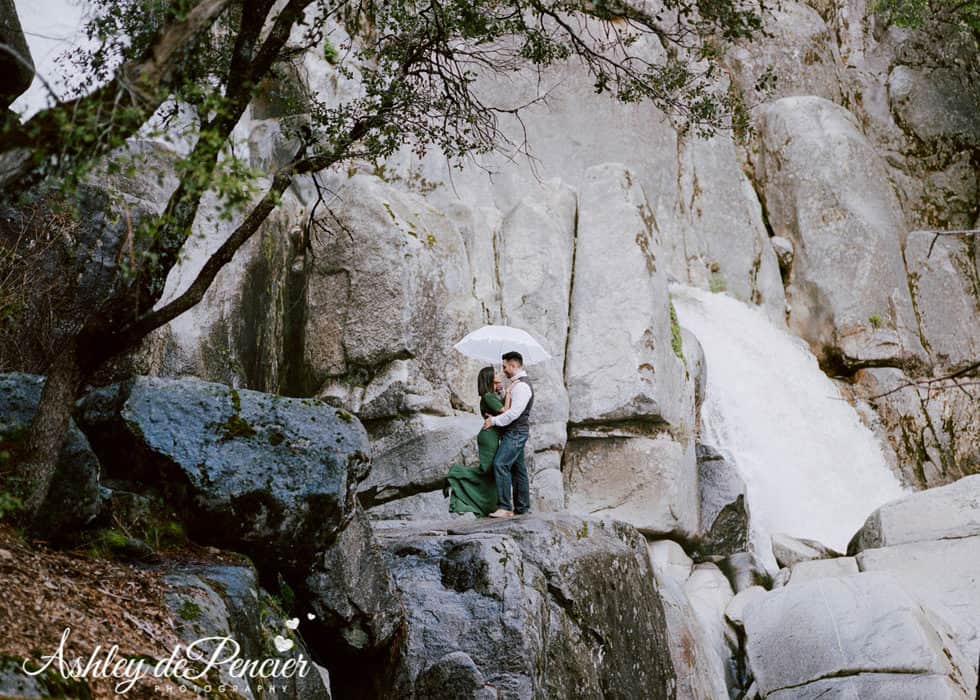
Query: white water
{"x": 811, "y": 468}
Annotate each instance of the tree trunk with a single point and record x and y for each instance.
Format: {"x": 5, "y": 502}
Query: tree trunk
{"x": 49, "y": 428}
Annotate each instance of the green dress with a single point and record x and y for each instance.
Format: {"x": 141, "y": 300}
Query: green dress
{"x": 473, "y": 489}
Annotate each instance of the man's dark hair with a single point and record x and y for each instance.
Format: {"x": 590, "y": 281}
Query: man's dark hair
{"x": 513, "y": 355}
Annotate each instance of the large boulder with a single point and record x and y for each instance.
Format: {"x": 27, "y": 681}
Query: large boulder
{"x": 724, "y": 506}
{"x": 543, "y": 606}
{"x": 947, "y": 512}
{"x": 930, "y": 102}
{"x": 709, "y": 593}
{"x": 270, "y": 476}
{"x": 73, "y": 499}
{"x": 650, "y": 482}
{"x": 827, "y": 190}
{"x": 699, "y": 675}
{"x": 801, "y": 52}
{"x": 863, "y": 623}
{"x": 620, "y": 304}
{"x": 535, "y": 248}
{"x": 631, "y": 405}
{"x": 877, "y": 686}
{"x": 789, "y": 550}
{"x": 941, "y": 576}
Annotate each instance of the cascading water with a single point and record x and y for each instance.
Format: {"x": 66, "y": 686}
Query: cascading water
{"x": 811, "y": 468}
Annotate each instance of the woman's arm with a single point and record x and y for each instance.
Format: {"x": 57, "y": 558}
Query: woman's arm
{"x": 494, "y": 403}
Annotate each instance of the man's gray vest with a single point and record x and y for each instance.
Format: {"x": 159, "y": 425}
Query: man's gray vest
{"x": 522, "y": 422}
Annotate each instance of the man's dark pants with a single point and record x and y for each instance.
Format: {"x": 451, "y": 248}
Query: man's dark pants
{"x": 510, "y": 472}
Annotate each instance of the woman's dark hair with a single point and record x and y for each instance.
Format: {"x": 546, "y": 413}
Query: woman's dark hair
{"x": 484, "y": 380}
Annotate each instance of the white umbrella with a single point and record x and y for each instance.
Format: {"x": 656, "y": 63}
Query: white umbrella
{"x": 490, "y": 342}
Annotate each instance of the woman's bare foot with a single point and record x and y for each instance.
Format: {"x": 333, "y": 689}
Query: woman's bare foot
{"x": 501, "y": 513}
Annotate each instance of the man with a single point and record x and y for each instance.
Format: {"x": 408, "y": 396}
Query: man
{"x": 509, "y": 469}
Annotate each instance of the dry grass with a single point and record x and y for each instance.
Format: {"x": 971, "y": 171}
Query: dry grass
{"x": 103, "y": 602}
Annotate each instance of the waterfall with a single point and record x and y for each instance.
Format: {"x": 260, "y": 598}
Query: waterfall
{"x": 811, "y": 467}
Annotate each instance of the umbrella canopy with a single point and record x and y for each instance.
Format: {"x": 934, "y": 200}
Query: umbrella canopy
{"x": 490, "y": 342}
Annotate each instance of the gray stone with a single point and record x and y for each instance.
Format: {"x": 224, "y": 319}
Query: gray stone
{"x": 270, "y": 476}
{"x": 876, "y": 686}
{"x": 548, "y": 489}
{"x": 696, "y": 367}
{"x": 827, "y": 191}
{"x": 709, "y": 593}
{"x": 413, "y": 454}
{"x": 531, "y": 601}
{"x": 783, "y": 247}
{"x": 945, "y": 287}
{"x": 932, "y": 103}
{"x": 402, "y": 264}
{"x": 744, "y": 570}
{"x": 725, "y": 244}
{"x": 534, "y": 252}
{"x": 351, "y": 591}
{"x": 73, "y": 499}
{"x": 453, "y": 677}
{"x": 822, "y": 568}
{"x": 802, "y": 53}
{"x": 735, "y": 610}
{"x": 947, "y": 512}
{"x": 864, "y": 623}
{"x": 942, "y": 577}
{"x": 700, "y": 673}
{"x": 620, "y": 303}
{"x": 724, "y": 509}
{"x": 649, "y": 482}
{"x": 669, "y": 560}
{"x": 16, "y": 684}
{"x": 428, "y": 505}
{"x": 789, "y": 550}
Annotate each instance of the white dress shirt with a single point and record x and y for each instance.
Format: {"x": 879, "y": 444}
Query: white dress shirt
{"x": 520, "y": 394}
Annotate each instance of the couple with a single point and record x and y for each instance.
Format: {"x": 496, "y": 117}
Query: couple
{"x": 486, "y": 489}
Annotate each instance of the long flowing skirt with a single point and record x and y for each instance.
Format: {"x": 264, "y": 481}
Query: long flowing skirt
{"x": 472, "y": 489}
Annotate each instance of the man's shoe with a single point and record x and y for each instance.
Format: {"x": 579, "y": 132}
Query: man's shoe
{"x": 501, "y": 513}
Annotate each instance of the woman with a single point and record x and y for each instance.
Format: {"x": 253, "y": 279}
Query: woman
{"x": 472, "y": 488}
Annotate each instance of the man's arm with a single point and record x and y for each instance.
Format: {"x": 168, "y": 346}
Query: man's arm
{"x": 520, "y": 394}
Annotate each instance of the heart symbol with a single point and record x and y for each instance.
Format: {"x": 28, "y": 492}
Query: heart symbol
{"x": 310, "y": 616}
{"x": 282, "y": 644}
{"x": 292, "y": 624}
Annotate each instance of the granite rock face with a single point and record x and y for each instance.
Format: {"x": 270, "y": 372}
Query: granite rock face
{"x": 933, "y": 435}
{"x": 530, "y": 602}
{"x": 865, "y": 623}
{"x": 827, "y": 191}
{"x": 631, "y": 449}
{"x": 350, "y": 590}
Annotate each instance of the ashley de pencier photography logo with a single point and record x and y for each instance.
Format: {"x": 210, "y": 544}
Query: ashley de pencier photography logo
{"x": 189, "y": 666}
